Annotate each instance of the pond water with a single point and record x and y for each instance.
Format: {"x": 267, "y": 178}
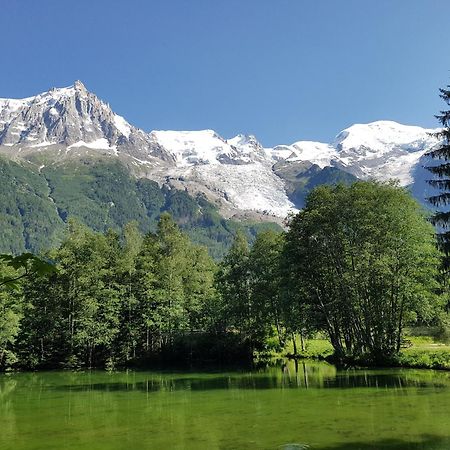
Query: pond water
{"x": 313, "y": 407}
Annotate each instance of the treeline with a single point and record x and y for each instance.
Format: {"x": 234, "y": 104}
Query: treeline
{"x": 359, "y": 263}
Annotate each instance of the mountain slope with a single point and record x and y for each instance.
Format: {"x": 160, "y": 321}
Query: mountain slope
{"x": 64, "y": 143}
{"x": 101, "y": 193}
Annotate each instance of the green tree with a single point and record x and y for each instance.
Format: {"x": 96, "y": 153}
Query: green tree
{"x": 173, "y": 286}
{"x": 128, "y": 338}
{"x": 364, "y": 263}
{"x": 233, "y": 283}
{"x": 442, "y": 171}
{"x": 14, "y": 270}
{"x": 200, "y": 296}
{"x": 11, "y": 306}
{"x": 265, "y": 286}
{"x": 73, "y": 315}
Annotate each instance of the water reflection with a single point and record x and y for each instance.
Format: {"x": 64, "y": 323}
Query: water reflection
{"x": 291, "y": 375}
{"x": 290, "y": 406}
{"x": 428, "y": 442}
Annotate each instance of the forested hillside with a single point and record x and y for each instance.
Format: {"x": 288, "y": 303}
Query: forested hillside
{"x": 102, "y": 194}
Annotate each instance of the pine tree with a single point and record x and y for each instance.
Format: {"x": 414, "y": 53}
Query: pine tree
{"x": 442, "y": 171}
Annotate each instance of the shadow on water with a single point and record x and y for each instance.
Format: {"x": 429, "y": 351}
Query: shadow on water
{"x": 428, "y": 442}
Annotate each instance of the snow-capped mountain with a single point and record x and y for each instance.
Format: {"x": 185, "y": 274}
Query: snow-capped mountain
{"x": 239, "y": 174}
{"x": 71, "y": 117}
{"x": 236, "y": 172}
{"x": 383, "y": 150}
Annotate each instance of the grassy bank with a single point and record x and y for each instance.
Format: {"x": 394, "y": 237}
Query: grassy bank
{"x": 423, "y": 352}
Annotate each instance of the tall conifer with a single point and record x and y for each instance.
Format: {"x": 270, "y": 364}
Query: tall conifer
{"x": 442, "y": 173}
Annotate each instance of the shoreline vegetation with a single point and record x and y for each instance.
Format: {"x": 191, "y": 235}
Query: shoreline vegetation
{"x": 358, "y": 266}
{"x": 419, "y": 351}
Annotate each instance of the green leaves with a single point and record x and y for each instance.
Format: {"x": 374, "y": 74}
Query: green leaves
{"x": 442, "y": 175}
{"x": 363, "y": 261}
{"x": 26, "y": 264}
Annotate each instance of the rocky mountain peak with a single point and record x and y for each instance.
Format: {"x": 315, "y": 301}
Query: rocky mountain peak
{"x": 237, "y": 173}
{"x": 79, "y": 86}
{"x": 72, "y": 117}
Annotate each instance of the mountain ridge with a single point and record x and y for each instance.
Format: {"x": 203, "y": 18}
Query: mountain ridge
{"x": 238, "y": 174}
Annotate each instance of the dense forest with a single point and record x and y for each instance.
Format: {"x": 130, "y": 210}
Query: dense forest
{"x": 359, "y": 263}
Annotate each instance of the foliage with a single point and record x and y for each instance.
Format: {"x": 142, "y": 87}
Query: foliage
{"x": 424, "y": 359}
{"x": 10, "y": 316}
{"x": 25, "y": 264}
{"x": 13, "y": 269}
{"x": 361, "y": 262}
{"x": 115, "y": 298}
{"x": 358, "y": 264}
{"x": 442, "y": 172}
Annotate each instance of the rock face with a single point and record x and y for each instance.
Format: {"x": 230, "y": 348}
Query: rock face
{"x": 71, "y": 117}
{"x": 238, "y": 174}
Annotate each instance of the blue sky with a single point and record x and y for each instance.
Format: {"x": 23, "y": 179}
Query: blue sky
{"x": 283, "y": 70}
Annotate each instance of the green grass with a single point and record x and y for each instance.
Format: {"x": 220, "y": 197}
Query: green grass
{"x": 317, "y": 348}
{"x": 425, "y": 352}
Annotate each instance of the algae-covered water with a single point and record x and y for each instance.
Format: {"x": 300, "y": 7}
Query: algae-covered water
{"x": 316, "y": 407}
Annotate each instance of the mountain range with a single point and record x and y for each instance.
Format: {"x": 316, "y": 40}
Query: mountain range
{"x": 66, "y": 153}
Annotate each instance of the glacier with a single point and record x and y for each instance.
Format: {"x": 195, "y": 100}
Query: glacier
{"x": 236, "y": 173}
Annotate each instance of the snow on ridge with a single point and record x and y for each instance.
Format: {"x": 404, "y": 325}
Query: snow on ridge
{"x": 98, "y": 144}
{"x": 45, "y": 97}
{"x": 122, "y": 125}
{"x": 382, "y": 135}
{"x": 383, "y": 150}
{"x": 192, "y": 147}
{"x": 315, "y": 152}
{"x": 247, "y": 187}
{"x": 239, "y": 167}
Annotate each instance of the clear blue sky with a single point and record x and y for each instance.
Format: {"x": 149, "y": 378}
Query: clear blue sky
{"x": 283, "y": 70}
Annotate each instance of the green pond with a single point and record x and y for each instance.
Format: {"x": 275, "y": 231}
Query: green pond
{"x": 309, "y": 405}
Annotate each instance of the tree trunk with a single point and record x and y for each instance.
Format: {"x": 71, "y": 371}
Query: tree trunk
{"x": 302, "y": 342}
{"x": 294, "y": 343}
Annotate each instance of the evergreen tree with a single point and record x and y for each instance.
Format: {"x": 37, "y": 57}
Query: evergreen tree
{"x": 442, "y": 171}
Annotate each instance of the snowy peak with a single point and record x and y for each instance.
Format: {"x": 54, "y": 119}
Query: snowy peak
{"x": 190, "y": 148}
{"x": 239, "y": 174}
{"x": 382, "y": 150}
{"x": 314, "y": 152}
{"x": 382, "y": 136}
{"x": 247, "y": 149}
{"x": 72, "y": 117}
{"x": 79, "y": 86}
